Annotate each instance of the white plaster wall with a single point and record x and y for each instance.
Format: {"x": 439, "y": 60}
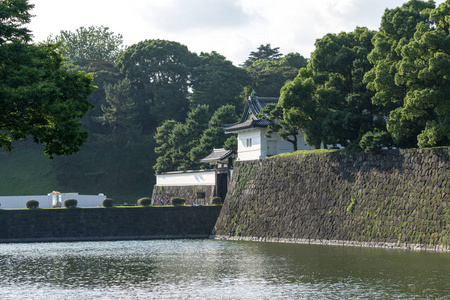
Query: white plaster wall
{"x": 186, "y": 178}
{"x": 259, "y": 147}
{"x": 84, "y": 200}
{"x": 45, "y": 201}
{"x": 20, "y": 201}
{"x": 285, "y": 146}
{"x": 253, "y": 152}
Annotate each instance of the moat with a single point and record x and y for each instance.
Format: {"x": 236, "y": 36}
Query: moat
{"x": 213, "y": 269}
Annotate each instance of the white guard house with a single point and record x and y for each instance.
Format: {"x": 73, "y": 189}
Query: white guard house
{"x": 250, "y": 130}
{"x": 196, "y": 186}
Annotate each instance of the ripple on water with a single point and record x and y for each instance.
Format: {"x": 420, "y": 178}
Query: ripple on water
{"x": 209, "y": 269}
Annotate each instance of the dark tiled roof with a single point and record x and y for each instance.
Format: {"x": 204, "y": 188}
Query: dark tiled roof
{"x": 253, "y": 107}
{"x": 245, "y": 125}
{"x": 256, "y": 104}
{"x": 217, "y": 155}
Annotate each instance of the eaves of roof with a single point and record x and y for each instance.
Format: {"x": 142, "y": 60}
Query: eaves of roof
{"x": 234, "y": 128}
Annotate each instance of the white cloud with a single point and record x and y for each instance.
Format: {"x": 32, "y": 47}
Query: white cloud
{"x": 233, "y": 28}
{"x": 181, "y": 15}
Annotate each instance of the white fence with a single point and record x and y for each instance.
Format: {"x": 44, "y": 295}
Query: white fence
{"x": 200, "y": 177}
{"x": 52, "y": 200}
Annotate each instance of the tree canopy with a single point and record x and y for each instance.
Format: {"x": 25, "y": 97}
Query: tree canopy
{"x": 38, "y": 98}
{"x": 269, "y": 76}
{"x": 92, "y": 44}
{"x": 327, "y": 100}
{"x": 409, "y": 77}
{"x": 264, "y": 52}
{"x": 182, "y": 145}
{"x": 176, "y": 139}
{"x": 159, "y": 72}
{"x": 217, "y": 82}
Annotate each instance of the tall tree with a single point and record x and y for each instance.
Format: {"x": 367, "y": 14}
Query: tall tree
{"x": 214, "y": 136}
{"x": 280, "y": 125}
{"x": 175, "y": 140}
{"x": 126, "y": 144}
{"x": 14, "y": 14}
{"x": 398, "y": 27}
{"x": 92, "y": 44}
{"x": 328, "y": 100}
{"x": 38, "y": 98}
{"x": 269, "y": 76}
{"x": 217, "y": 82}
{"x": 160, "y": 73}
{"x": 264, "y": 52}
{"x": 425, "y": 71}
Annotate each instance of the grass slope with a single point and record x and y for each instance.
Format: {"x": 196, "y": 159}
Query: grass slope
{"x": 26, "y": 172}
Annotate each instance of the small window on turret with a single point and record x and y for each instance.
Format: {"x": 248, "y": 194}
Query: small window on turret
{"x": 248, "y": 143}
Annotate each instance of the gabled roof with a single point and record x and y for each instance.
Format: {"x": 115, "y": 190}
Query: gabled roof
{"x": 217, "y": 155}
{"x": 249, "y": 119}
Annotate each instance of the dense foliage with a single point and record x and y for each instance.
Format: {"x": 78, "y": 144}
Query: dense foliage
{"x": 177, "y": 201}
{"x": 217, "y": 201}
{"x": 32, "y": 204}
{"x": 92, "y": 44}
{"x": 410, "y": 74}
{"x": 370, "y": 90}
{"x": 38, "y": 98}
{"x": 70, "y": 203}
{"x": 144, "y": 201}
{"x": 108, "y": 202}
{"x": 328, "y": 100}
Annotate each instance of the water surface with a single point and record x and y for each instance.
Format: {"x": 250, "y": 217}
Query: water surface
{"x": 211, "y": 269}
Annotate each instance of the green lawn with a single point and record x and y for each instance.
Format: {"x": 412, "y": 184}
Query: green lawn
{"x": 322, "y": 151}
{"x": 26, "y": 172}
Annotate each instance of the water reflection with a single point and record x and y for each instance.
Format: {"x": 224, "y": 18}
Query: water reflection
{"x": 208, "y": 269}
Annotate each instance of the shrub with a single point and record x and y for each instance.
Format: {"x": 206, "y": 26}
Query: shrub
{"x": 108, "y": 202}
{"x": 70, "y": 203}
{"x": 145, "y": 201}
{"x": 217, "y": 201}
{"x": 32, "y": 204}
{"x": 375, "y": 141}
{"x": 177, "y": 201}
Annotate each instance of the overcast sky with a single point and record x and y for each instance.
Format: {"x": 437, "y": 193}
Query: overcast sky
{"x": 233, "y": 28}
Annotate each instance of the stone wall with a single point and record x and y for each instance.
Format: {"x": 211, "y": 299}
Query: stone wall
{"x": 162, "y": 194}
{"x": 396, "y": 198}
{"x": 107, "y": 223}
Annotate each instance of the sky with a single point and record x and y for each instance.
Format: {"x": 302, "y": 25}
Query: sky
{"x": 232, "y": 28}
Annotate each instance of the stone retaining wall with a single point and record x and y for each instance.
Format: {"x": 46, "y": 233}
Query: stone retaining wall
{"x": 162, "y": 194}
{"x": 81, "y": 224}
{"x": 396, "y": 197}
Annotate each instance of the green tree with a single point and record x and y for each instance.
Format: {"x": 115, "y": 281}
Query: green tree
{"x": 217, "y": 82}
{"x": 214, "y": 136}
{"x": 160, "y": 73}
{"x": 328, "y": 100}
{"x": 280, "y": 125}
{"x": 264, "y": 52}
{"x": 269, "y": 76}
{"x": 121, "y": 110}
{"x": 92, "y": 44}
{"x": 38, "y": 98}
{"x": 424, "y": 71}
{"x": 105, "y": 74}
{"x": 175, "y": 140}
{"x": 122, "y": 150}
{"x": 166, "y": 146}
{"x": 398, "y": 27}
{"x": 14, "y": 14}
